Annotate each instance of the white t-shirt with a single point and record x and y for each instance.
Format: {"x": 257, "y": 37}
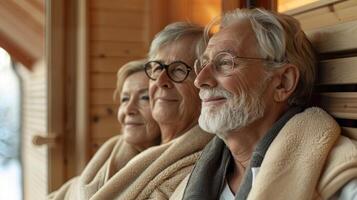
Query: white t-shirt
{"x": 226, "y": 194}
{"x": 347, "y": 192}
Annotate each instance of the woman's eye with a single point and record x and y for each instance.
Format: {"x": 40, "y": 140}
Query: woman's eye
{"x": 145, "y": 97}
{"x": 124, "y": 99}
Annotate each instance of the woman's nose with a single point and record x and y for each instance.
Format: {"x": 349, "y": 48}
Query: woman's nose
{"x": 131, "y": 107}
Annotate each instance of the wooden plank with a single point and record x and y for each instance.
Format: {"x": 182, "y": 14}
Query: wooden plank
{"x": 116, "y": 34}
{"x": 294, "y": 7}
{"x": 338, "y": 71}
{"x": 103, "y": 81}
{"x": 350, "y": 132}
{"x": 119, "y": 5}
{"x": 109, "y": 64}
{"x": 122, "y": 19}
{"x": 103, "y": 111}
{"x": 120, "y": 49}
{"x": 102, "y": 97}
{"x": 341, "y": 37}
{"x": 340, "y": 104}
{"x": 105, "y": 127}
{"x": 82, "y": 101}
{"x": 328, "y": 15}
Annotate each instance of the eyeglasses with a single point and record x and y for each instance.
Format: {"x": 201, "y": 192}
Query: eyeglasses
{"x": 176, "y": 71}
{"x": 223, "y": 63}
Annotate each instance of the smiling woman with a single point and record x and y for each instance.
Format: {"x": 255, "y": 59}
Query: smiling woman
{"x": 139, "y": 128}
{"x": 139, "y": 131}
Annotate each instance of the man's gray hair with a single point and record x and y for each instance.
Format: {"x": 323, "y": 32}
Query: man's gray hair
{"x": 177, "y": 31}
{"x": 281, "y": 40}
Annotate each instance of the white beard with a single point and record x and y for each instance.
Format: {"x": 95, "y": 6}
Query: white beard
{"x": 237, "y": 112}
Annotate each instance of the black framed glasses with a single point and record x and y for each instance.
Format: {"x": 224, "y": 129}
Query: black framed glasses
{"x": 223, "y": 63}
{"x": 177, "y": 71}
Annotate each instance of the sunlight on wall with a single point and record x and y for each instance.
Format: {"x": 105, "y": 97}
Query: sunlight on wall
{"x": 285, "y": 5}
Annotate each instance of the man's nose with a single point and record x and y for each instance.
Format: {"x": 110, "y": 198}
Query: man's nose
{"x": 163, "y": 80}
{"x": 206, "y": 78}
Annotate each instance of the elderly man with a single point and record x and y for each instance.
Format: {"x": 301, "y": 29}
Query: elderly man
{"x": 255, "y": 77}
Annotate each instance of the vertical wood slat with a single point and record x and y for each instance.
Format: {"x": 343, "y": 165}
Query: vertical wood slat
{"x": 34, "y": 122}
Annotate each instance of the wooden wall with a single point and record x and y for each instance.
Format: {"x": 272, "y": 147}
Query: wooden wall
{"x": 331, "y": 27}
{"x": 325, "y": 13}
{"x": 117, "y": 34}
{"x": 34, "y": 122}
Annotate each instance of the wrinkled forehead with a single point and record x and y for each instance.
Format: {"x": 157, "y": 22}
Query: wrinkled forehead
{"x": 238, "y": 39}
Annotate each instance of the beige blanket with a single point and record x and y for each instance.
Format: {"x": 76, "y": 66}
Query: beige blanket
{"x": 110, "y": 158}
{"x": 309, "y": 159}
{"x": 156, "y": 172}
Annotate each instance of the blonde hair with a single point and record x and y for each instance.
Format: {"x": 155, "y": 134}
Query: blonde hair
{"x": 124, "y": 72}
{"x": 281, "y": 40}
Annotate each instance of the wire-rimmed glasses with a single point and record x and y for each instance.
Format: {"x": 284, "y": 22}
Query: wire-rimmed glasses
{"x": 223, "y": 63}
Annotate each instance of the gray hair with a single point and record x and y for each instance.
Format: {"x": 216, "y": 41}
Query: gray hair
{"x": 177, "y": 31}
{"x": 281, "y": 40}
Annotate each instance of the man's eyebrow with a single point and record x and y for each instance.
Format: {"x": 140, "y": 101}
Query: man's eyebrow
{"x": 205, "y": 56}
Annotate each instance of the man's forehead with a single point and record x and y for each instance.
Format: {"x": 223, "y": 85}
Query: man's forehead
{"x": 237, "y": 37}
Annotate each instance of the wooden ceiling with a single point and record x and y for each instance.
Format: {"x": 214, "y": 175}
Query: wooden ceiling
{"x": 22, "y": 29}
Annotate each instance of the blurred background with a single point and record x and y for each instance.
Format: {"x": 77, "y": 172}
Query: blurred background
{"x": 58, "y": 64}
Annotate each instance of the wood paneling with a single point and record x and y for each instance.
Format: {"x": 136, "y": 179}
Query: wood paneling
{"x": 118, "y": 5}
{"x": 328, "y": 14}
{"x": 350, "y": 132}
{"x": 117, "y": 49}
{"x": 119, "y": 32}
{"x": 22, "y": 30}
{"x": 109, "y": 64}
{"x": 102, "y": 97}
{"x": 338, "y": 71}
{"x": 135, "y": 19}
{"x": 340, "y": 104}
{"x": 104, "y": 81}
{"x": 340, "y": 37}
{"x": 116, "y": 34}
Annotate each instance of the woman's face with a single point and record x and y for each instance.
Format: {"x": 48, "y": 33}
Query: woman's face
{"x": 138, "y": 125}
{"x": 175, "y": 103}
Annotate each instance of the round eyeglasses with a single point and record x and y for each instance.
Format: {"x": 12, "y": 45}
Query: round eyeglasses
{"x": 223, "y": 63}
{"x": 176, "y": 71}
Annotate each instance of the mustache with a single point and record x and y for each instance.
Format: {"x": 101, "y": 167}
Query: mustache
{"x": 214, "y": 92}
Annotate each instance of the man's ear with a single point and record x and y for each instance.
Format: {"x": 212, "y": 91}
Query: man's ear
{"x": 287, "y": 81}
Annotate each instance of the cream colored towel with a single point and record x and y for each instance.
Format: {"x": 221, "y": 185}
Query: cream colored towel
{"x": 309, "y": 159}
{"x": 156, "y": 172}
{"x": 110, "y": 158}
{"x": 294, "y": 162}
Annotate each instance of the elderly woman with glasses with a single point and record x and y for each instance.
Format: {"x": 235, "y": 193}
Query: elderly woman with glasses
{"x": 175, "y": 104}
